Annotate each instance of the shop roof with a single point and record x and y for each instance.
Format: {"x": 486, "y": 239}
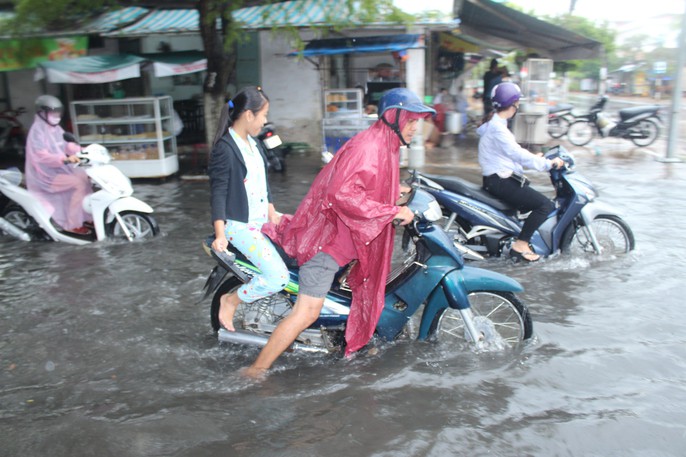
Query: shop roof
{"x": 495, "y": 23}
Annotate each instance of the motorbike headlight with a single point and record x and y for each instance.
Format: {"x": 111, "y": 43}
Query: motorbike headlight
{"x": 433, "y": 212}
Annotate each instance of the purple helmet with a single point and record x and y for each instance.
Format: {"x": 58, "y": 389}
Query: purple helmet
{"x": 505, "y": 95}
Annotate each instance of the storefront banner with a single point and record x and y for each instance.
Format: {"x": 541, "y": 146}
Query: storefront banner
{"x": 29, "y": 52}
{"x": 162, "y": 69}
{"x": 71, "y": 77}
{"x": 91, "y": 69}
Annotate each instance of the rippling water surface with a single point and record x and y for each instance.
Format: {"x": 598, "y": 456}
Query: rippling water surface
{"x": 104, "y": 351}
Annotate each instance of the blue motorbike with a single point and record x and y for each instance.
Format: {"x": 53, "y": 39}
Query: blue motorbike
{"x": 482, "y": 225}
{"x": 429, "y": 279}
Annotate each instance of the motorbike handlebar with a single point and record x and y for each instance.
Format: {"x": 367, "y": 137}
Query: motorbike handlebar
{"x": 82, "y": 161}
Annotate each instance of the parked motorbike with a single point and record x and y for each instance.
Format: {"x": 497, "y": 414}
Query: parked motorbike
{"x": 460, "y": 303}
{"x": 482, "y": 225}
{"x": 640, "y": 124}
{"x": 561, "y": 116}
{"x": 274, "y": 148}
{"x": 116, "y": 214}
{"x": 12, "y": 133}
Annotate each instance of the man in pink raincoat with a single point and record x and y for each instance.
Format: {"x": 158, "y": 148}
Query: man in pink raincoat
{"x": 60, "y": 187}
{"x": 347, "y": 215}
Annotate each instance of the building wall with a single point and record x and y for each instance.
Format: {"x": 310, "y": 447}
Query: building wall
{"x": 294, "y": 91}
{"x": 23, "y": 91}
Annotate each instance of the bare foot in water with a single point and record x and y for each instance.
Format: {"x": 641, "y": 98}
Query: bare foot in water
{"x": 257, "y": 374}
{"x": 227, "y": 308}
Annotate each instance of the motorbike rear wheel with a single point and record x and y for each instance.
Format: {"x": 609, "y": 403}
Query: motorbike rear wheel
{"x": 580, "y": 133}
{"x": 558, "y": 126}
{"x": 262, "y": 316}
{"x": 648, "y": 130}
{"x": 502, "y": 312}
{"x": 140, "y": 225}
{"x": 613, "y": 234}
{"x": 268, "y": 311}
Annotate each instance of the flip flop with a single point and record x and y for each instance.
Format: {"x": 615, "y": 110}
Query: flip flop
{"x": 520, "y": 256}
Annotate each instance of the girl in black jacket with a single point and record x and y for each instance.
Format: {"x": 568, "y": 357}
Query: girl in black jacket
{"x": 241, "y": 200}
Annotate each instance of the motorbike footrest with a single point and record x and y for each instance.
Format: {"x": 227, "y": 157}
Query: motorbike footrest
{"x": 227, "y": 260}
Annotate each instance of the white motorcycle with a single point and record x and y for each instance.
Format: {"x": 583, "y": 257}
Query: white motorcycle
{"x": 116, "y": 214}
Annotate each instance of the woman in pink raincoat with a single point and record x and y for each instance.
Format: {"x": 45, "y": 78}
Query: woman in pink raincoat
{"x": 61, "y": 187}
{"x": 347, "y": 215}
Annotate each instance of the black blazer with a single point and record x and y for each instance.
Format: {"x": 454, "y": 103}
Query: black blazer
{"x": 227, "y": 172}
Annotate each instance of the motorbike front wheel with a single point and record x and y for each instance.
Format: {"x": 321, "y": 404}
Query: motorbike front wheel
{"x": 139, "y": 225}
{"x": 580, "y": 133}
{"x": 558, "y": 126}
{"x": 614, "y": 237}
{"x": 645, "y": 133}
{"x": 15, "y": 215}
{"x": 498, "y": 314}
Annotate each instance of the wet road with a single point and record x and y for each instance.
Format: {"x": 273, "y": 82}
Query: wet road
{"x": 104, "y": 351}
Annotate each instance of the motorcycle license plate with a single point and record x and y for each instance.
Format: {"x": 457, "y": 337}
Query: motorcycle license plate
{"x": 272, "y": 142}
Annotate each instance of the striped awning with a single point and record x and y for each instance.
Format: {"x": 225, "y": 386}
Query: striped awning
{"x": 162, "y": 21}
{"x": 312, "y": 13}
{"x": 296, "y": 13}
{"x": 115, "y": 19}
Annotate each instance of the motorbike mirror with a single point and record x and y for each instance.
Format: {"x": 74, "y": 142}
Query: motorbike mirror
{"x": 69, "y": 138}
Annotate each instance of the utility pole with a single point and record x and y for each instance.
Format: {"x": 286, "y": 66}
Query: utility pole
{"x": 673, "y": 133}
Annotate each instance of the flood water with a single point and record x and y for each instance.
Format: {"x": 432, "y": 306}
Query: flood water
{"x": 104, "y": 350}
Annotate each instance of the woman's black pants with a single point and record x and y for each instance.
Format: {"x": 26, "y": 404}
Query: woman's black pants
{"x": 524, "y": 198}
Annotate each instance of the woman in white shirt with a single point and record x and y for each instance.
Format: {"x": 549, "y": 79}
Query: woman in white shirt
{"x": 241, "y": 199}
{"x": 502, "y": 163}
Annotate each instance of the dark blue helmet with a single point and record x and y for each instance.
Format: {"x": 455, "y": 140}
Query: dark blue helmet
{"x": 402, "y": 98}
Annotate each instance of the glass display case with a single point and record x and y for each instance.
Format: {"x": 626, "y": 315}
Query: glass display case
{"x": 531, "y": 122}
{"x": 343, "y": 117}
{"x": 137, "y": 132}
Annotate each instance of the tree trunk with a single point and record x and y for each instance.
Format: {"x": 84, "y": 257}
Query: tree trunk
{"x": 220, "y": 63}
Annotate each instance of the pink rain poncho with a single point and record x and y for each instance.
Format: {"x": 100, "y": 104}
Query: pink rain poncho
{"x": 360, "y": 186}
{"x": 60, "y": 188}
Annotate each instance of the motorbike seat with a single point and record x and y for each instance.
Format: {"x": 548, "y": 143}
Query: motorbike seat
{"x": 471, "y": 190}
{"x": 628, "y": 113}
{"x": 12, "y": 175}
{"x": 560, "y": 107}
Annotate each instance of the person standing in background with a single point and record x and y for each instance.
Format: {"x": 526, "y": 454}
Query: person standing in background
{"x": 492, "y": 78}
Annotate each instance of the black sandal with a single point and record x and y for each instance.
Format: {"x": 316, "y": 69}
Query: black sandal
{"x": 520, "y": 256}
